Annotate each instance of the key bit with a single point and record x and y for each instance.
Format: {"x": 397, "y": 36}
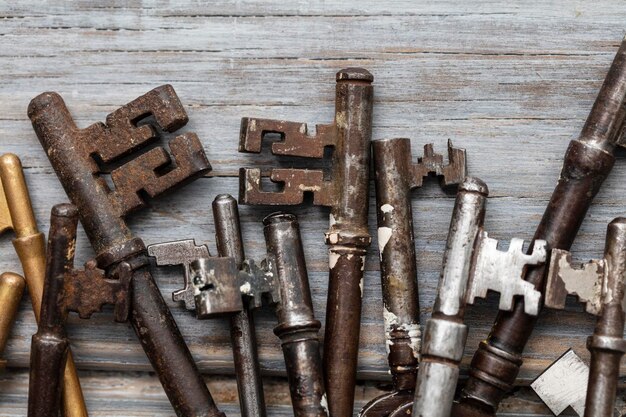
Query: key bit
{"x": 472, "y": 266}
{"x": 346, "y": 192}
{"x": 397, "y": 174}
{"x": 220, "y": 286}
{"x": 16, "y": 213}
{"x": 599, "y": 285}
{"x": 67, "y": 289}
{"x": 124, "y": 147}
{"x": 564, "y": 384}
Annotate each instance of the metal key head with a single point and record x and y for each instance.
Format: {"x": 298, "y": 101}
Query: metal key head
{"x": 564, "y": 384}
{"x": 585, "y": 281}
{"x": 431, "y": 163}
{"x": 181, "y": 252}
{"x": 503, "y": 272}
{"x": 216, "y": 286}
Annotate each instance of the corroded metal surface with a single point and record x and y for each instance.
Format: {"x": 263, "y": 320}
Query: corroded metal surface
{"x": 588, "y": 161}
{"x": 468, "y": 265}
{"x": 346, "y": 192}
{"x": 232, "y": 284}
{"x": 11, "y": 290}
{"x": 80, "y": 158}
{"x": 564, "y": 384}
{"x": 16, "y": 213}
{"x": 396, "y": 175}
{"x": 604, "y": 296}
{"x": 67, "y": 289}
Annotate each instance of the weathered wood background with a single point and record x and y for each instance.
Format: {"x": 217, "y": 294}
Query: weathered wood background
{"x": 512, "y": 82}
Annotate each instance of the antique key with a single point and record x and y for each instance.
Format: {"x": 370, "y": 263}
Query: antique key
{"x": 79, "y": 157}
{"x": 217, "y": 285}
{"x": 564, "y": 384}
{"x": 396, "y": 176}
{"x": 598, "y": 284}
{"x": 472, "y": 266}
{"x": 346, "y": 192}
{"x": 243, "y": 337}
{"x": 11, "y": 290}
{"x": 16, "y": 213}
{"x": 67, "y": 289}
{"x": 588, "y": 161}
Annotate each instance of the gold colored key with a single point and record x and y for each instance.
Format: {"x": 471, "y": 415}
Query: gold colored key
{"x": 11, "y": 290}
{"x": 16, "y": 213}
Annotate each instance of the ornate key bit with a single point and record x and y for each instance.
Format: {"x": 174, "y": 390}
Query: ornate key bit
{"x": 347, "y": 193}
{"x": 564, "y": 384}
{"x": 503, "y": 272}
{"x": 431, "y": 163}
{"x": 87, "y": 291}
{"x": 79, "y": 158}
{"x": 585, "y": 282}
{"x": 181, "y": 252}
{"x": 258, "y": 284}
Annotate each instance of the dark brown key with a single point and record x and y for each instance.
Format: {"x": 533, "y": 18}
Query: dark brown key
{"x": 80, "y": 158}
{"x": 67, "y": 289}
{"x": 346, "y": 193}
{"x": 396, "y": 176}
{"x": 599, "y": 284}
{"x": 588, "y": 161}
{"x": 220, "y": 285}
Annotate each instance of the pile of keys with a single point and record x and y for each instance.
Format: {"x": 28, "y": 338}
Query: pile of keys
{"x": 424, "y": 362}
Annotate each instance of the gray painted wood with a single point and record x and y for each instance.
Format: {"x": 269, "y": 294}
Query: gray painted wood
{"x": 512, "y": 83}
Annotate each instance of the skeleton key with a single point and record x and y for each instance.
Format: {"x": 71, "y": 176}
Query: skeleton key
{"x": 472, "y": 266}
{"x": 79, "y": 157}
{"x": 396, "y": 176}
{"x": 347, "y": 194}
{"x": 564, "y": 384}
{"x": 67, "y": 289}
{"x": 11, "y": 290}
{"x": 281, "y": 280}
{"x": 588, "y": 161}
{"x": 598, "y": 284}
{"x": 16, "y": 213}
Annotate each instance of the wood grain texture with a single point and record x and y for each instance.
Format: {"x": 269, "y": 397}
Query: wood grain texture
{"x": 512, "y": 82}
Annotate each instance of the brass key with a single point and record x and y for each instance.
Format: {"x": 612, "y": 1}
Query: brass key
{"x": 11, "y": 290}
{"x": 16, "y": 213}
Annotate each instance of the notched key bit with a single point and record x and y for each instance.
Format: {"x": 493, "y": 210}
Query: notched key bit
{"x": 598, "y": 284}
{"x": 472, "y": 266}
{"x": 67, "y": 289}
{"x": 346, "y": 192}
{"x": 397, "y": 173}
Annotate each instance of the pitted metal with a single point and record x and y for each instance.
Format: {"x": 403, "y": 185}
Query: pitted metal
{"x": 346, "y": 192}
{"x": 124, "y": 147}
{"x": 431, "y": 163}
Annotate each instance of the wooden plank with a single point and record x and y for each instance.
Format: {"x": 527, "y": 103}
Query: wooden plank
{"x": 511, "y": 82}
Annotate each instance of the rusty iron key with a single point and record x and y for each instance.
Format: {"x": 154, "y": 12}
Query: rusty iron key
{"x": 588, "y": 161}
{"x": 11, "y": 290}
{"x": 16, "y": 213}
{"x": 598, "y": 284}
{"x": 472, "y": 266}
{"x": 67, "y": 289}
{"x": 347, "y": 193}
{"x": 218, "y": 285}
{"x": 396, "y": 176}
{"x": 80, "y": 157}
{"x": 242, "y": 334}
